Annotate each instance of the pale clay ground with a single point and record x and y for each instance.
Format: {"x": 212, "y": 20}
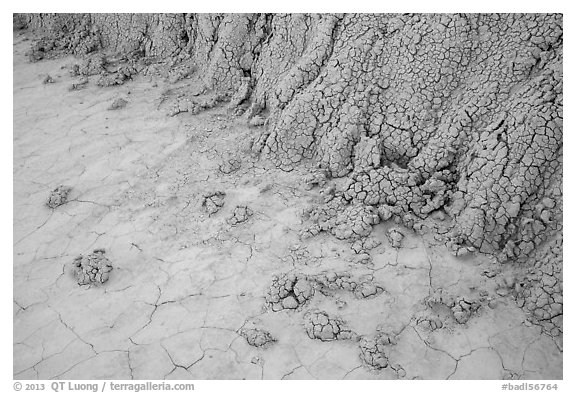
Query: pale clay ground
{"x": 184, "y": 283}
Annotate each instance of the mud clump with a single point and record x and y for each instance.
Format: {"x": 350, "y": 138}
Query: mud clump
{"x": 118, "y": 77}
{"x": 320, "y": 325}
{"x": 540, "y": 290}
{"x": 430, "y": 322}
{"x": 373, "y": 351}
{"x": 460, "y": 251}
{"x": 213, "y": 201}
{"x": 118, "y": 103}
{"x": 395, "y": 237}
{"x": 289, "y": 291}
{"x": 362, "y": 247}
{"x": 230, "y": 165}
{"x": 92, "y": 269}
{"x": 58, "y": 197}
{"x": 344, "y": 221}
{"x": 47, "y": 79}
{"x": 195, "y": 106}
{"x": 362, "y": 258}
{"x": 257, "y": 337}
{"x": 81, "y": 84}
{"x": 362, "y": 288}
{"x": 299, "y": 254}
{"x": 458, "y": 308}
{"x": 317, "y": 178}
{"x": 239, "y": 215}
{"x": 464, "y": 308}
{"x": 478, "y": 136}
{"x": 365, "y": 244}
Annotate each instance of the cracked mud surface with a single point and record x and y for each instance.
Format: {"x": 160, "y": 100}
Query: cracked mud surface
{"x": 225, "y": 266}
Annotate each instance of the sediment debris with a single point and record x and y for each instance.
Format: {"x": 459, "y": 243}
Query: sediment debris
{"x": 230, "y": 165}
{"x": 58, "y": 196}
{"x": 344, "y": 221}
{"x": 213, "y": 201}
{"x": 289, "y": 291}
{"x": 47, "y": 79}
{"x": 118, "y": 103}
{"x": 395, "y": 237}
{"x": 317, "y": 178}
{"x": 374, "y": 350}
{"x": 197, "y": 105}
{"x": 458, "y": 308}
{"x": 320, "y": 325}
{"x": 91, "y": 269}
{"x": 293, "y": 290}
{"x": 239, "y": 215}
{"x": 81, "y": 84}
{"x": 257, "y": 337}
{"x": 362, "y": 288}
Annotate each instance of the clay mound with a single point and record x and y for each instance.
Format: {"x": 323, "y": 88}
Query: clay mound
{"x": 457, "y": 114}
{"x": 118, "y": 103}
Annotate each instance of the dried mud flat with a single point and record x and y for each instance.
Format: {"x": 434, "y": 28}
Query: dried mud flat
{"x": 155, "y": 246}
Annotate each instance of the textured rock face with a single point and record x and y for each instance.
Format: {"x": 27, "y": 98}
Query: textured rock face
{"x": 461, "y": 113}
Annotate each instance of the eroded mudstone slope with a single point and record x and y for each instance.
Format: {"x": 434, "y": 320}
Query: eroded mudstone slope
{"x": 461, "y": 113}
